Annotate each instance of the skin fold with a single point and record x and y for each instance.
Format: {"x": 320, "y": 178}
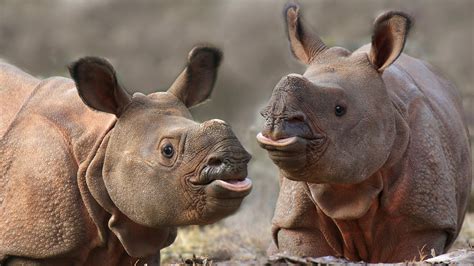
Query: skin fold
{"x": 91, "y": 175}
{"x": 372, "y": 148}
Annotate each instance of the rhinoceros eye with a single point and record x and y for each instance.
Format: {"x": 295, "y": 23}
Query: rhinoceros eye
{"x": 340, "y": 110}
{"x": 167, "y": 150}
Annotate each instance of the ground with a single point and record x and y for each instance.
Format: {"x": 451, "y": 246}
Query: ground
{"x": 223, "y": 245}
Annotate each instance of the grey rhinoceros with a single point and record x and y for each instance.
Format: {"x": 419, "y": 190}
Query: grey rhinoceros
{"x": 109, "y": 186}
{"x": 372, "y": 148}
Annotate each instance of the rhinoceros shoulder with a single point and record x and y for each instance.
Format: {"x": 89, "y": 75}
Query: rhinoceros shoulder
{"x": 47, "y": 141}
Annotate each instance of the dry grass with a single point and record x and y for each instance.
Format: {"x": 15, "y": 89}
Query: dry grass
{"x": 214, "y": 243}
{"x": 218, "y": 243}
{"x": 466, "y": 236}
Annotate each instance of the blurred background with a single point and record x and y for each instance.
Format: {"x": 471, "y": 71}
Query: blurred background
{"x": 148, "y": 42}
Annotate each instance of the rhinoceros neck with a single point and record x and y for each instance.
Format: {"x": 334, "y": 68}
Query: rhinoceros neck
{"x": 351, "y": 214}
{"x": 92, "y": 188}
{"x": 84, "y": 127}
{"x": 347, "y": 201}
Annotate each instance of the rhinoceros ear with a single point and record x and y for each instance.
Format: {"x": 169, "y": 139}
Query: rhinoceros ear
{"x": 305, "y": 44}
{"x": 390, "y": 33}
{"x": 97, "y": 85}
{"x": 194, "y": 85}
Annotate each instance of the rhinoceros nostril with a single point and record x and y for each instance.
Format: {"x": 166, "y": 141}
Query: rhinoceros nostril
{"x": 297, "y": 117}
{"x": 214, "y": 161}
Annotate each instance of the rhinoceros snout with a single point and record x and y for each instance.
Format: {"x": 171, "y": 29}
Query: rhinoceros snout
{"x": 231, "y": 165}
{"x": 215, "y": 123}
{"x": 283, "y": 126}
{"x": 231, "y": 157}
{"x": 228, "y": 165}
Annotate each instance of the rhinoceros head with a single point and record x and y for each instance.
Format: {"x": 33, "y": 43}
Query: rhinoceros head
{"x": 161, "y": 168}
{"x": 335, "y": 123}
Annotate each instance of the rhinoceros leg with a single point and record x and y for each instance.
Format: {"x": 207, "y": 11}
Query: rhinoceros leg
{"x": 302, "y": 242}
{"x": 295, "y": 230}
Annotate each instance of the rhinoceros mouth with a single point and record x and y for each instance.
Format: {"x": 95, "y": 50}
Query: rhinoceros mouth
{"x": 225, "y": 177}
{"x": 235, "y": 184}
{"x": 290, "y": 144}
{"x": 294, "y": 153}
{"x": 229, "y": 189}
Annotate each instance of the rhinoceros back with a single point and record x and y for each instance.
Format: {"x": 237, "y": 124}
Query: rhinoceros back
{"x": 15, "y": 88}
{"x": 436, "y": 178}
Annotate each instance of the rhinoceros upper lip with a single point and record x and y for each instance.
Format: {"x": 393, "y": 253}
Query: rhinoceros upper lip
{"x": 205, "y": 179}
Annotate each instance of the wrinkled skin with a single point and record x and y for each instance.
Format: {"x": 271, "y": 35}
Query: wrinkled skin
{"x": 109, "y": 186}
{"x": 372, "y": 148}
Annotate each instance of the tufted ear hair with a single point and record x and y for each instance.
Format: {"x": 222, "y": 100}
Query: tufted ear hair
{"x": 388, "y": 40}
{"x": 194, "y": 85}
{"x": 305, "y": 44}
{"x": 97, "y": 85}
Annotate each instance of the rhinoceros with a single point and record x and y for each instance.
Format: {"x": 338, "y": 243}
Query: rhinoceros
{"x": 91, "y": 175}
{"x": 372, "y": 149}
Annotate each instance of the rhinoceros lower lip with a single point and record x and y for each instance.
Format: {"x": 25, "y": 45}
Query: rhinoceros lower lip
{"x": 238, "y": 185}
{"x": 288, "y": 146}
{"x": 229, "y": 189}
{"x": 276, "y": 143}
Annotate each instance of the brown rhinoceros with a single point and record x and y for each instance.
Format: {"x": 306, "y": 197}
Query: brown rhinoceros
{"x": 372, "y": 148}
{"x": 78, "y": 186}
